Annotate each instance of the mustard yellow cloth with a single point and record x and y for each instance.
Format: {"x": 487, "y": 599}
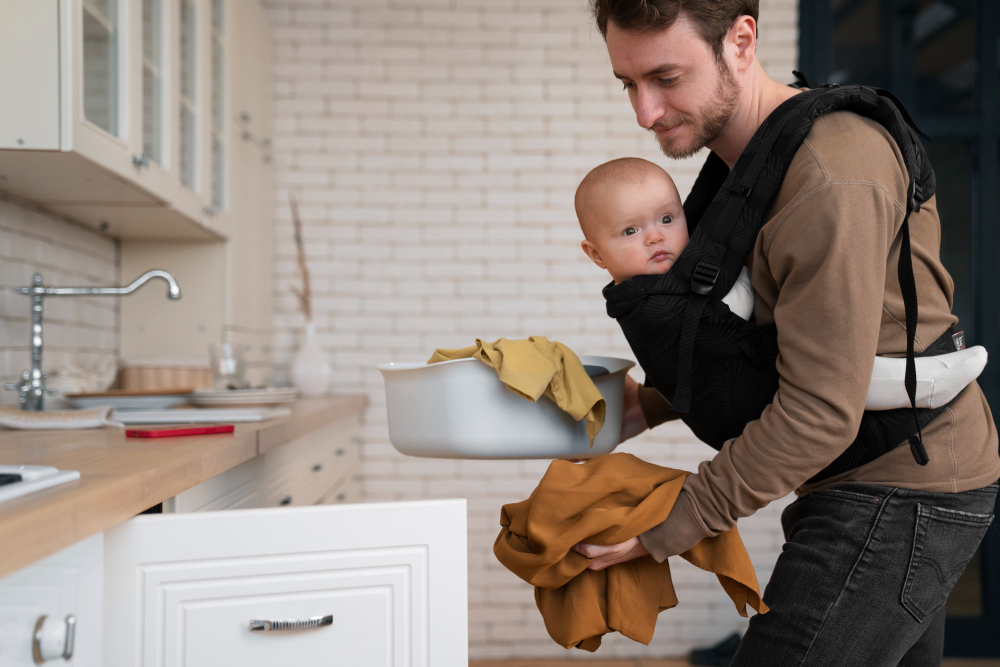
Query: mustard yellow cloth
{"x": 606, "y": 501}
{"x": 537, "y": 367}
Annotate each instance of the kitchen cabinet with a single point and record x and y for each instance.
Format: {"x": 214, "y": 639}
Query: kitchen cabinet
{"x": 151, "y": 121}
{"x": 68, "y": 584}
{"x": 314, "y": 469}
{"x": 385, "y": 582}
{"x": 227, "y": 287}
{"x": 120, "y": 113}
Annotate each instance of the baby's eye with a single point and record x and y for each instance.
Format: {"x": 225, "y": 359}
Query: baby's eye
{"x": 666, "y": 219}
{"x": 629, "y": 231}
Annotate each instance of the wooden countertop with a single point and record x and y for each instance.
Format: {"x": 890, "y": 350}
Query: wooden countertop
{"x": 121, "y": 477}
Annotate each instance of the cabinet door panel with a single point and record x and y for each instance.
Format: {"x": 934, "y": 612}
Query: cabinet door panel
{"x": 392, "y": 575}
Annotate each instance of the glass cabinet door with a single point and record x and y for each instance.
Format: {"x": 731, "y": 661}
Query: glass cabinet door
{"x": 101, "y": 53}
{"x": 218, "y": 105}
{"x": 153, "y": 81}
{"x": 189, "y": 131}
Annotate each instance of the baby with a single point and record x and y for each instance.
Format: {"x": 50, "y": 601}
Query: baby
{"x": 633, "y": 224}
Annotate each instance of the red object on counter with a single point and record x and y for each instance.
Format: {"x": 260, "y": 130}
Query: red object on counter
{"x": 168, "y": 432}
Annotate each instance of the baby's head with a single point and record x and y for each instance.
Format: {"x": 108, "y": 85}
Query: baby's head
{"x": 632, "y": 219}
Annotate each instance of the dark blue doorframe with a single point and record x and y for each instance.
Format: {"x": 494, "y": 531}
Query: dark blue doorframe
{"x": 904, "y": 45}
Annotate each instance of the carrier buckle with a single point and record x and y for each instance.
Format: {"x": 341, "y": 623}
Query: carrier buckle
{"x": 742, "y": 190}
{"x": 704, "y": 277}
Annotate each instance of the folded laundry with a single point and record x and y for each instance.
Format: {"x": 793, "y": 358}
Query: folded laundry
{"x": 605, "y": 501}
{"x": 537, "y": 367}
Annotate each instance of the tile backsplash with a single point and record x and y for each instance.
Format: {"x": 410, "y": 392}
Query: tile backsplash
{"x": 79, "y": 331}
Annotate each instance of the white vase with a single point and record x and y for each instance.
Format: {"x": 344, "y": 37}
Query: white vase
{"x": 311, "y": 366}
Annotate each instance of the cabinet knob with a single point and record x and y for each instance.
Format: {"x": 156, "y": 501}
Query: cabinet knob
{"x": 54, "y": 639}
{"x": 287, "y": 500}
{"x": 341, "y": 496}
{"x": 317, "y": 467}
{"x": 140, "y": 161}
{"x": 340, "y": 451}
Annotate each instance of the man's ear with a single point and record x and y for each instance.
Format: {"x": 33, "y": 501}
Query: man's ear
{"x": 743, "y": 35}
{"x": 593, "y": 253}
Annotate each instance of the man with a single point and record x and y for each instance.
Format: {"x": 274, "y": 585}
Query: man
{"x": 871, "y": 554}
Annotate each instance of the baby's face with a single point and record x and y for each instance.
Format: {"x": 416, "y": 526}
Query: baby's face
{"x": 638, "y": 227}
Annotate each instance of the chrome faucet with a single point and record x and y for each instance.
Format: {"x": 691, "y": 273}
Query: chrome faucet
{"x": 32, "y": 386}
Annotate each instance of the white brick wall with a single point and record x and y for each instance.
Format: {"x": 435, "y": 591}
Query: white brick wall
{"x": 434, "y": 147}
{"x": 81, "y": 331}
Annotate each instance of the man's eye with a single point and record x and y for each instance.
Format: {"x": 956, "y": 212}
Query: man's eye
{"x": 667, "y": 82}
{"x": 629, "y": 231}
{"x": 625, "y": 85}
{"x": 666, "y": 219}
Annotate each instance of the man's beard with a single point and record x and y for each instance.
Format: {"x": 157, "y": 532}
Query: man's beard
{"x": 719, "y": 112}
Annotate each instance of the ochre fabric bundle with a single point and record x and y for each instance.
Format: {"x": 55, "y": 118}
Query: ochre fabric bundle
{"x": 606, "y": 501}
{"x": 537, "y": 367}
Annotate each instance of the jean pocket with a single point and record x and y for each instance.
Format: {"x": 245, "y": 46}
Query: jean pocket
{"x": 944, "y": 541}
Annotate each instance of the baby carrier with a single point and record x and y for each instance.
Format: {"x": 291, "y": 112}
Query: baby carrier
{"x": 718, "y": 370}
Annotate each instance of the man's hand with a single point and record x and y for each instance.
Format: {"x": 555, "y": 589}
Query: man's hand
{"x": 605, "y": 556}
{"x": 633, "y": 421}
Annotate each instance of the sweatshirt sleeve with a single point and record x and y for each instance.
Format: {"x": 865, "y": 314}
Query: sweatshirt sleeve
{"x": 827, "y": 255}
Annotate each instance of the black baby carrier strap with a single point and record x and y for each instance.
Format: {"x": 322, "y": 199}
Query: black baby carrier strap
{"x": 679, "y": 316}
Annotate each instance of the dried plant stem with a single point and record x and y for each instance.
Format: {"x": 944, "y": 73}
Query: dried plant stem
{"x": 304, "y": 295}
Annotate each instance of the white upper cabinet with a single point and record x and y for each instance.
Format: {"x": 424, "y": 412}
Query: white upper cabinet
{"x": 118, "y": 113}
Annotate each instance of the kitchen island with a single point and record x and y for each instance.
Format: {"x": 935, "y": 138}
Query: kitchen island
{"x": 121, "y": 477}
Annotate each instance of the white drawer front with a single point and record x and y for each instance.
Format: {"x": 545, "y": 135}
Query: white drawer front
{"x": 68, "y": 582}
{"x": 370, "y": 595}
{"x": 392, "y": 575}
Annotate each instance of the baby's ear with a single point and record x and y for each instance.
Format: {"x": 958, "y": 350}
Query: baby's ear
{"x": 591, "y": 251}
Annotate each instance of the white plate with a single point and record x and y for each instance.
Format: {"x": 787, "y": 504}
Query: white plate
{"x": 130, "y": 402}
{"x": 269, "y": 396}
{"x": 199, "y": 415}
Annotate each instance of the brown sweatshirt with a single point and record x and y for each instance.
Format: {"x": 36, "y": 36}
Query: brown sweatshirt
{"x": 824, "y": 270}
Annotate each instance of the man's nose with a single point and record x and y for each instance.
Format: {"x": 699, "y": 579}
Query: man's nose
{"x": 648, "y": 108}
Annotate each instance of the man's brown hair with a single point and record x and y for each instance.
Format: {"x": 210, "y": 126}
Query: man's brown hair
{"x": 713, "y": 18}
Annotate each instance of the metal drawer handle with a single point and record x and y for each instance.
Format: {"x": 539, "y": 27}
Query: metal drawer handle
{"x": 290, "y": 624}
{"x": 48, "y": 637}
{"x": 317, "y": 467}
{"x": 287, "y": 500}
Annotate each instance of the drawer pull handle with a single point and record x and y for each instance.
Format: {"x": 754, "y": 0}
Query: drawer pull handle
{"x": 317, "y": 467}
{"x": 52, "y": 641}
{"x": 290, "y": 624}
{"x": 340, "y": 451}
{"x": 287, "y": 500}
{"x": 341, "y": 496}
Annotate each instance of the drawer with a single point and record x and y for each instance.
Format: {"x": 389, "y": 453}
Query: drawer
{"x": 336, "y": 464}
{"x": 348, "y": 491}
{"x": 236, "y": 488}
{"x": 302, "y": 471}
{"x": 68, "y": 582}
{"x": 187, "y": 589}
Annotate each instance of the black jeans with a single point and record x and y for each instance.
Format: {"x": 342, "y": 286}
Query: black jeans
{"x": 863, "y": 577}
